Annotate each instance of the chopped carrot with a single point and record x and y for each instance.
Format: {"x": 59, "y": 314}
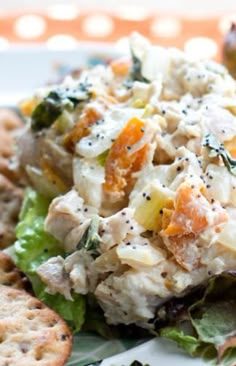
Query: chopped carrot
{"x": 82, "y": 128}
{"x": 182, "y": 248}
{"x": 121, "y": 163}
{"x": 230, "y": 145}
{"x": 192, "y": 212}
{"x": 87, "y": 119}
{"x": 27, "y": 106}
{"x": 138, "y": 162}
{"x": 120, "y": 67}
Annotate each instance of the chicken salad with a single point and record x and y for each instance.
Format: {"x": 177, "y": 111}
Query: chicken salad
{"x": 133, "y": 165}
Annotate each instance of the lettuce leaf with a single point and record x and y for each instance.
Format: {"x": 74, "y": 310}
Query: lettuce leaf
{"x": 72, "y": 311}
{"x": 33, "y": 247}
{"x": 211, "y": 321}
{"x": 189, "y": 343}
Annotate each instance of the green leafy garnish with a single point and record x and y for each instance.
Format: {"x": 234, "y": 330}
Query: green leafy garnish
{"x": 214, "y": 317}
{"x": 135, "y": 73}
{"x": 72, "y": 311}
{"x": 90, "y": 240}
{"x": 189, "y": 343}
{"x": 211, "y": 322}
{"x": 46, "y": 112}
{"x": 136, "y": 70}
{"x": 33, "y": 247}
{"x": 52, "y": 106}
{"x": 217, "y": 149}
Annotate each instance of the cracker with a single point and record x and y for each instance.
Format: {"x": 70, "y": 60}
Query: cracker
{"x": 9, "y": 274}
{"x": 10, "y": 203}
{"x": 9, "y": 120}
{"x": 30, "y": 332}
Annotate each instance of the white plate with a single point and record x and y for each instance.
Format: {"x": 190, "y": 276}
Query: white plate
{"x": 157, "y": 352}
{"x": 21, "y": 72}
{"x": 90, "y": 348}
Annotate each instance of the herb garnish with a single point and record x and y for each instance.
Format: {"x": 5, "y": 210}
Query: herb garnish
{"x": 135, "y": 73}
{"x": 51, "y": 107}
{"x": 136, "y": 70}
{"x": 217, "y": 149}
{"x": 90, "y": 240}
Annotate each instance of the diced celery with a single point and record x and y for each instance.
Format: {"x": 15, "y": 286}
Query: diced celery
{"x": 150, "y": 204}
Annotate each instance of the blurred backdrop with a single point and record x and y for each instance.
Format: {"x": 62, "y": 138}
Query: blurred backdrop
{"x": 198, "y": 26}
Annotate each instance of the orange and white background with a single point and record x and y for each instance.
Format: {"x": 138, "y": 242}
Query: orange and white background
{"x": 198, "y": 26}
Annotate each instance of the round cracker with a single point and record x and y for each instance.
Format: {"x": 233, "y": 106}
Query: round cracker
{"x": 30, "y": 332}
{"x": 9, "y": 274}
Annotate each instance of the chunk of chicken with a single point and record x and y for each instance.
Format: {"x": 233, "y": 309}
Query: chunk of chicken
{"x": 64, "y": 275}
{"x": 68, "y": 218}
{"x": 53, "y": 274}
{"x": 42, "y": 152}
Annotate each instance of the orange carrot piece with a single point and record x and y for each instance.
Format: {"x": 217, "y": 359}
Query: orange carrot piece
{"x": 192, "y": 211}
{"x": 82, "y": 128}
{"x": 230, "y": 145}
{"x": 182, "y": 249}
{"x": 120, "y": 67}
{"x": 87, "y": 119}
{"x": 27, "y": 107}
{"x": 121, "y": 163}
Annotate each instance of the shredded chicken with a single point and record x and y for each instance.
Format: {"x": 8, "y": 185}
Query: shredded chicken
{"x": 138, "y": 155}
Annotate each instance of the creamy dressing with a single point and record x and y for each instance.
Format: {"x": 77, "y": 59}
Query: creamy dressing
{"x": 167, "y": 216}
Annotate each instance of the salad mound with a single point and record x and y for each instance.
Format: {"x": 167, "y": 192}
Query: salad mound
{"x": 133, "y": 167}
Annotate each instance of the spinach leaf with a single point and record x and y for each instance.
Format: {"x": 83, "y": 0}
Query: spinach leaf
{"x": 51, "y": 107}
{"x": 46, "y": 112}
{"x": 217, "y": 149}
{"x": 208, "y": 328}
{"x": 90, "y": 240}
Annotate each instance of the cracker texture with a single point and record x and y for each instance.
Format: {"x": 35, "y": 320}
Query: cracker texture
{"x": 31, "y": 333}
{"x": 9, "y": 274}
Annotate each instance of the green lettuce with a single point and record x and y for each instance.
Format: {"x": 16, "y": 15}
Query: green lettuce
{"x": 189, "y": 343}
{"x": 211, "y": 322}
{"x": 33, "y": 247}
